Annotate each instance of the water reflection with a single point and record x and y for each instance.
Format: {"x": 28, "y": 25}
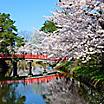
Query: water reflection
{"x": 93, "y": 96}
{"x": 69, "y": 92}
{"x": 57, "y": 91}
{"x": 20, "y": 93}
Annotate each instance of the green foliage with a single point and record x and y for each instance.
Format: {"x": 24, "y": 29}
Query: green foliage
{"x": 64, "y": 66}
{"x": 93, "y": 69}
{"x": 19, "y": 41}
{"x": 49, "y": 27}
{"x": 8, "y": 34}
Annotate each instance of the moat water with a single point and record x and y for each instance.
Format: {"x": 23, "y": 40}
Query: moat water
{"x": 36, "y": 93}
{"x": 21, "y": 93}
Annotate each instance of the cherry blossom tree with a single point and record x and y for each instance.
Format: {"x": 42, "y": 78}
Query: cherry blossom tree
{"x": 34, "y": 44}
{"x": 82, "y": 29}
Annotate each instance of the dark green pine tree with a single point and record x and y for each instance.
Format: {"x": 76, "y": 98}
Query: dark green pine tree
{"x": 49, "y": 27}
{"x": 8, "y": 34}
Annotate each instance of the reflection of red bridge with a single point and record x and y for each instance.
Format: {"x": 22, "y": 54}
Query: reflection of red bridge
{"x": 41, "y": 79}
{"x": 30, "y": 56}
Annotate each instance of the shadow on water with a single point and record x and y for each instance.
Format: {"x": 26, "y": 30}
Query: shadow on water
{"x": 93, "y": 96}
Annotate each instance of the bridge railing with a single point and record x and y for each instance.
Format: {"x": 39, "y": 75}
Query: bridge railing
{"x": 25, "y": 56}
{"x": 32, "y": 56}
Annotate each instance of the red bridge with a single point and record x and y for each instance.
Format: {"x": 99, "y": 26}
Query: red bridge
{"x": 30, "y": 56}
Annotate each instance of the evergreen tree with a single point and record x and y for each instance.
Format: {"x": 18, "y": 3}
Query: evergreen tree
{"x": 49, "y": 27}
{"x": 8, "y": 34}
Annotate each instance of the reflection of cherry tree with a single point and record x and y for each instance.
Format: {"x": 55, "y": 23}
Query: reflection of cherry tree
{"x": 8, "y": 95}
{"x": 82, "y": 29}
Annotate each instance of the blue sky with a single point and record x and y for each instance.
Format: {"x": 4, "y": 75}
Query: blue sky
{"x": 28, "y": 13}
